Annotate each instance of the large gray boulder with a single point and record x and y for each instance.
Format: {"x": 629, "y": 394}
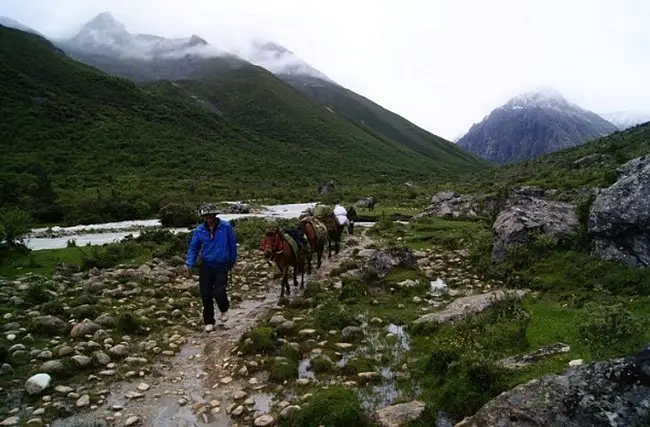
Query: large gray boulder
{"x": 400, "y": 414}
{"x": 383, "y": 261}
{"x": 610, "y": 393}
{"x": 518, "y": 222}
{"x": 619, "y": 219}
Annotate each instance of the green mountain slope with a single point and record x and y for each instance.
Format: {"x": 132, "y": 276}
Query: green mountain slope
{"x": 378, "y": 121}
{"x": 101, "y": 147}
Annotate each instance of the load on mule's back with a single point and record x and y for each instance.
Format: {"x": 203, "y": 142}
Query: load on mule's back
{"x": 287, "y": 248}
{"x": 317, "y": 235}
{"x": 334, "y": 229}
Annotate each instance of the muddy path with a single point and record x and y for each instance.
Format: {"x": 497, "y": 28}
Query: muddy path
{"x": 206, "y": 384}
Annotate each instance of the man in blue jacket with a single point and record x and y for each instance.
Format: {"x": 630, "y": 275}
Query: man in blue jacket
{"x": 217, "y": 240}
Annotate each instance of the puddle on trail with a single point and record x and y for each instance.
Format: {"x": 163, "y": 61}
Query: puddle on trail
{"x": 303, "y": 369}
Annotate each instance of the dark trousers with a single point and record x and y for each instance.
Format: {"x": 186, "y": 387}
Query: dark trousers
{"x": 212, "y": 286}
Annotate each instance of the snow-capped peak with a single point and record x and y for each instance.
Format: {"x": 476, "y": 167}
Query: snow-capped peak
{"x": 627, "y": 119}
{"x": 104, "y": 35}
{"x": 542, "y": 97}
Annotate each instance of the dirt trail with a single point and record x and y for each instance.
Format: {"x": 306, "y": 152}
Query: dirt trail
{"x": 183, "y": 391}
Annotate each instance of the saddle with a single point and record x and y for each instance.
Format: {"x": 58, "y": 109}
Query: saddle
{"x": 319, "y": 227}
{"x": 296, "y": 239}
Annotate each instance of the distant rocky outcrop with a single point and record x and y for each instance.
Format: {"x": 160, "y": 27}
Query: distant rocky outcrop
{"x": 619, "y": 219}
{"x": 610, "y": 393}
{"x": 520, "y": 221}
{"x": 326, "y": 187}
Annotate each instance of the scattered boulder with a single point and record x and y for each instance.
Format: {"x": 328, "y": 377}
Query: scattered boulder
{"x": 52, "y": 367}
{"x": 50, "y": 323}
{"x": 84, "y": 328}
{"x": 400, "y": 414}
{"x": 449, "y": 204}
{"x": 383, "y": 261}
{"x": 264, "y": 421}
{"x": 516, "y": 362}
{"x": 38, "y": 383}
{"x": 518, "y": 222}
{"x": 106, "y": 321}
{"x": 81, "y": 361}
{"x": 619, "y": 218}
{"x": 609, "y": 393}
{"x": 238, "y": 208}
{"x": 326, "y": 187}
{"x": 119, "y": 351}
{"x": 467, "y": 306}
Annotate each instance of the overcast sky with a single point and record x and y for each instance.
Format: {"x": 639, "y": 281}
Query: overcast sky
{"x": 443, "y": 64}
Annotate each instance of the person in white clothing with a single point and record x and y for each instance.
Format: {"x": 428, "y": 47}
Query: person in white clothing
{"x": 341, "y": 214}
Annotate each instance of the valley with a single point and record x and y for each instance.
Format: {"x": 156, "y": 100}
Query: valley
{"x": 502, "y": 280}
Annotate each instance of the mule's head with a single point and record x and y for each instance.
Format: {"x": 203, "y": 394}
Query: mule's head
{"x": 270, "y": 243}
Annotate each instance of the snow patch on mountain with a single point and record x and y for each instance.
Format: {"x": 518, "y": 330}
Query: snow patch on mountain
{"x": 278, "y": 59}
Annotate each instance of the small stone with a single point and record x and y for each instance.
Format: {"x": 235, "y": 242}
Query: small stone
{"x": 143, "y": 387}
{"x": 52, "y": 367}
{"x": 249, "y": 402}
{"x": 83, "y": 401}
{"x": 11, "y": 421}
{"x": 302, "y": 381}
{"x": 344, "y": 345}
{"x": 239, "y": 394}
{"x": 306, "y": 332}
{"x": 81, "y": 361}
{"x": 264, "y": 420}
{"x": 277, "y": 319}
{"x": 243, "y": 371}
{"x": 214, "y": 403}
{"x": 133, "y": 395}
{"x": 35, "y": 422}
{"x": 238, "y": 411}
{"x": 576, "y": 362}
{"x": 417, "y": 299}
{"x": 38, "y": 383}
{"x": 288, "y": 411}
{"x": 182, "y": 402}
{"x": 253, "y": 381}
{"x": 131, "y": 421}
{"x": 226, "y": 380}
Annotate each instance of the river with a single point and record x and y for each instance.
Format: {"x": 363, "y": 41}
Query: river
{"x": 99, "y": 234}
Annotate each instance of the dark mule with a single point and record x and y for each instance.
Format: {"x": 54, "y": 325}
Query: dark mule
{"x": 277, "y": 249}
{"x": 353, "y": 216}
{"x": 334, "y": 231}
{"x": 316, "y": 240}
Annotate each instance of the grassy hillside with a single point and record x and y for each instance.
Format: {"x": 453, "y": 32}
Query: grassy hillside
{"x": 93, "y": 147}
{"x": 378, "y": 121}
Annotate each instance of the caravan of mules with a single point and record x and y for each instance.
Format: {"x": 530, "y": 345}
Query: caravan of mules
{"x": 295, "y": 246}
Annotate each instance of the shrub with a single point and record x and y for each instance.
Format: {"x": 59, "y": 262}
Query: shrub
{"x": 333, "y": 407}
{"x": 260, "y": 340}
{"x": 178, "y": 215}
{"x": 283, "y": 370}
{"x": 352, "y": 289}
{"x": 610, "y": 330}
{"x": 129, "y": 324}
{"x": 53, "y": 308}
{"x": 332, "y": 316}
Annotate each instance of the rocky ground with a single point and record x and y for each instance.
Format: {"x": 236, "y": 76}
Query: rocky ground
{"x": 125, "y": 346}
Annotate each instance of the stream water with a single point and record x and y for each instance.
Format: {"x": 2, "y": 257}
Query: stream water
{"x": 99, "y": 234}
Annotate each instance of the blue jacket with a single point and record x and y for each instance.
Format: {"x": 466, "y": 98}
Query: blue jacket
{"x": 219, "y": 250}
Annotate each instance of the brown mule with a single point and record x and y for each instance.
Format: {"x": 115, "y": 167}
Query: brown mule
{"x": 316, "y": 240}
{"x": 334, "y": 231}
{"x": 278, "y": 250}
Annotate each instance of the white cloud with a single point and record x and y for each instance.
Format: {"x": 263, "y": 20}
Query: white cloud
{"x": 442, "y": 64}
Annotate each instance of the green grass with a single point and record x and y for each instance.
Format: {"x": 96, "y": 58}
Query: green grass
{"x": 39, "y": 262}
{"x": 82, "y": 146}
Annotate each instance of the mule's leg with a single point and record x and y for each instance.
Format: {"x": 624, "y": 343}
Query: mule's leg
{"x": 284, "y": 279}
{"x": 309, "y": 261}
{"x": 295, "y": 277}
{"x": 319, "y": 254}
{"x": 302, "y": 279}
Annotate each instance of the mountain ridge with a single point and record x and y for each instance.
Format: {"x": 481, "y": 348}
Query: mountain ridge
{"x": 532, "y": 124}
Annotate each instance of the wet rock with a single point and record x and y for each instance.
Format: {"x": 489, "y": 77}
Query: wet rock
{"x": 516, "y": 362}
{"x": 400, "y": 414}
{"x": 519, "y": 222}
{"x": 81, "y": 361}
{"x": 619, "y": 218}
{"x": 52, "y": 367}
{"x": 63, "y": 389}
{"x": 264, "y": 420}
{"x": 102, "y": 358}
{"x": 467, "y": 306}
{"x": 50, "y": 323}
{"x": 6, "y": 369}
{"x": 65, "y": 351}
{"x": 277, "y": 319}
{"x": 119, "y": 351}
{"x": 288, "y": 411}
{"x": 38, "y": 383}
{"x": 131, "y": 421}
{"x": 84, "y": 328}
{"x": 610, "y": 393}
{"x": 11, "y": 421}
{"x": 83, "y": 401}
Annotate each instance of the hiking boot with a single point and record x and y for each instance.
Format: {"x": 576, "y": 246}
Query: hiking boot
{"x": 209, "y": 328}
{"x": 224, "y": 317}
